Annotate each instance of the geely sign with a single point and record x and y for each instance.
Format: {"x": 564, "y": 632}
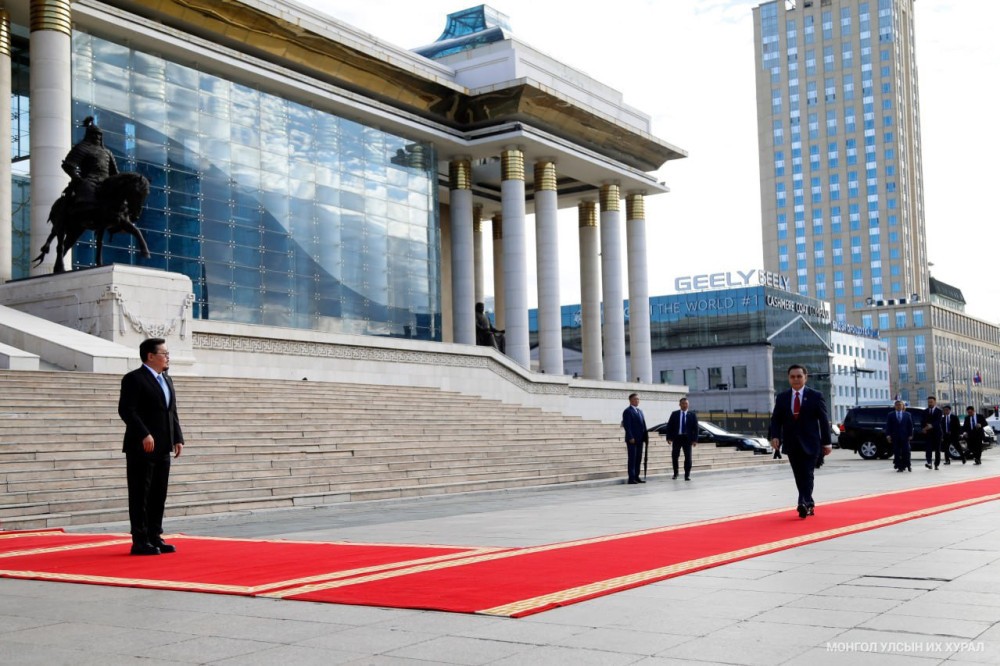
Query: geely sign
{"x": 731, "y": 279}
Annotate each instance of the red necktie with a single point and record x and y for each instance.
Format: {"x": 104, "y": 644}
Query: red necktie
{"x": 796, "y": 405}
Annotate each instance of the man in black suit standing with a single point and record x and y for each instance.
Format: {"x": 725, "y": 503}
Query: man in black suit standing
{"x": 635, "y": 437}
{"x": 682, "y": 433}
{"x": 148, "y": 406}
{"x": 974, "y": 433}
{"x": 932, "y": 429}
{"x": 801, "y": 425}
{"x": 899, "y": 432}
{"x": 951, "y": 432}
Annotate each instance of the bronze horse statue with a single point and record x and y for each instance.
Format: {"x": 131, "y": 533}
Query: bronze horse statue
{"x": 118, "y": 204}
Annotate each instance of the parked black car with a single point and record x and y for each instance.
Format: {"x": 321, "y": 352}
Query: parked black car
{"x": 709, "y": 433}
{"x": 864, "y": 432}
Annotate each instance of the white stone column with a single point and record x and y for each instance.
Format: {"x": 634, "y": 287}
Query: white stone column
{"x": 550, "y": 352}
{"x": 463, "y": 304}
{"x": 590, "y": 292}
{"x": 611, "y": 281}
{"x": 640, "y": 350}
{"x": 477, "y": 252}
{"x": 6, "y": 198}
{"x": 51, "y": 123}
{"x": 499, "y": 302}
{"x": 515, "y": 259}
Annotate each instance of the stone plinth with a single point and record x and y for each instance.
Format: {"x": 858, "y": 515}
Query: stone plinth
{"x": 119, "y": 303}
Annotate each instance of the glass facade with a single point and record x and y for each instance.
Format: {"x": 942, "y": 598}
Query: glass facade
{"x": 281, "y": 214}
{"x": 798, "y": 328}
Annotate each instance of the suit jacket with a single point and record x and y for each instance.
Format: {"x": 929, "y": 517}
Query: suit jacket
{"x": 934, "y": 418}
{"x": 144, "y": 410}
{"x": 899, "y": 431}
{"x": 954, "y": 428}
{"x": 634, "y": 423}
{"x": 690, "y": 426}
{"x": 809, "y": 432}
{"x": 974, "y": 435}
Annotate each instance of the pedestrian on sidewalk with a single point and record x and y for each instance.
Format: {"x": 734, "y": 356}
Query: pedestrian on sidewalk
{"x": 636, "y": 437}
{"x": 682, "y": 434}
{"x": 932, "y": 431}
{"x": 974, "y": 434}
{"x": 951, "y": 435}
{"x": 899, "y": 432}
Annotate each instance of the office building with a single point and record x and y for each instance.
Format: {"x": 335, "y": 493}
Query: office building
{"x": 839, "y": 132}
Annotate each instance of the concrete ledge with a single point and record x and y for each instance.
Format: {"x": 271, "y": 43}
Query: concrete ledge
{"x": 63, "y": 346}
{"x": 12, "y": 358}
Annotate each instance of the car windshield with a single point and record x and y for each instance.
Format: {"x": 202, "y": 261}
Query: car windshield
{"x": 714, "y": 429}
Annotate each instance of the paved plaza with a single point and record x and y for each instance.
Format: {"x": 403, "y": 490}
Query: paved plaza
{"x": 925, "y": 591}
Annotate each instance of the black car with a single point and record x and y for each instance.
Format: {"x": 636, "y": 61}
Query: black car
{"x": 863, "y": 432}
{"x": 709, "y": 433}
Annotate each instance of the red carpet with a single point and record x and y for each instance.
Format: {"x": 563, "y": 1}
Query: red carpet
{"x": 508, "y": 582}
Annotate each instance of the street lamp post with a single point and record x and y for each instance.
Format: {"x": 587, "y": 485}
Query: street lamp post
{"x": 857, "y": 371}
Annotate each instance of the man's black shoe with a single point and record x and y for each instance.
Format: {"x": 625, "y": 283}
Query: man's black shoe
{"x": 935, "y": 467}
{"x": 963, "y": 461}
{"x": 144, "y": 549}
{"x": 810, "y": 511}
{"x": 900, "y": 470}
{"x": 927, "y": 465}
{"x": 909, "y": 469}
{"x": 164, "y": 547}
{"x": 803, "y": 511}
{"x": 978, "y": 462}
{"x": 675, "y": 475}
{"x": 640, "y": 481}
{"x": 687, "y": 477}
{"x": 631, "y": 481}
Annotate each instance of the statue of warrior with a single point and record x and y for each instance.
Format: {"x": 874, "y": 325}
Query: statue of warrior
{"x": 88, "y": 164}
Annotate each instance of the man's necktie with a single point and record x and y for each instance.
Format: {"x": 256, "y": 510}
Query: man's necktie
{"x": 163, "y": 387}
{"x": 682, "y": 422}
{"x": 946, "y": 423}
{"x": 796, "y": 405}
{"x": 972, "y": 420}
{"x": 899, "y": 416}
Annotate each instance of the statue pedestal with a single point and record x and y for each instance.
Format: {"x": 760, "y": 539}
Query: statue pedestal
{"x": 120, "y": 303}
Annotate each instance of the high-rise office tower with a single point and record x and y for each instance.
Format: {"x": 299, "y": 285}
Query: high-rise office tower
{"x": 839, "y": 135}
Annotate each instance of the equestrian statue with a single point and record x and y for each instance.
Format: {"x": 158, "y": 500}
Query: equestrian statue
{"x": 98, "y": 198}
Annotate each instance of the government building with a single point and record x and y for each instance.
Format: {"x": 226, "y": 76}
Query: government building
{"x": 309, "y": 180}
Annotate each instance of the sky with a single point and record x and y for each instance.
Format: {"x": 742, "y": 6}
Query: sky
{"x": 689, "y": 64}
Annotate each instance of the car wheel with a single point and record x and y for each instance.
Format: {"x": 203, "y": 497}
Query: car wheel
{"x": 868, "y": 449}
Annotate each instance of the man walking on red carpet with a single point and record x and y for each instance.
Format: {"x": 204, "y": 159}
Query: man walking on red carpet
{"x": 148, "y": 406}
{"x": 800, "y": 424}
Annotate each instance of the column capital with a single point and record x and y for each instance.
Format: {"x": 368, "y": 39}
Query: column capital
{"x": 511, "y": 164}
{"x": 588, "y": 214}
{"x": 635, "y": 206}
{"x": 51, "y": 15}
{"x": 610, "y": 197}
{"x": 477, "y": 218}
{"x": 4, "y": 33}
{"x": 460, "y": 174}
{"x": 545, "y": 175}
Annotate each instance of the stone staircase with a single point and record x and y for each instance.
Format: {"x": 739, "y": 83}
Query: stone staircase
{"x": 255, "y": 444}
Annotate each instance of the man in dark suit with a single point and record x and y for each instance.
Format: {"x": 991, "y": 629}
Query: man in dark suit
{"x": 899, "y": 432}
{"x": 148, "y": 406}
{"x": 974, "y": 433}
{"x": 932, "y": 430}
{"x": 951, "y": 433}
{"x": 800, "y": 424}
{"x": 635, "y": 437}
{"x": 682, "y": 434}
